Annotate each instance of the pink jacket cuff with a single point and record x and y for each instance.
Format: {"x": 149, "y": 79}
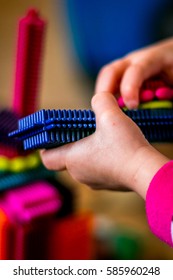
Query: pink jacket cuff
{"x": 159, "y": 203}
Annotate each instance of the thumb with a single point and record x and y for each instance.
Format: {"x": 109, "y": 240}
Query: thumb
{"x": 55, "y": 159}
{"x": 103, "y": 103}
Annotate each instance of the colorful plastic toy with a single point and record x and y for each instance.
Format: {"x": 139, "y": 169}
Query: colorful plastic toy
{"x": 9, "y": 180}
{"x": 71, "y": 238}
{"x": 29, "y": 53}
{"x": 51, "y": 128}
{"x": 19, "y": 164}
{"x": 4, "y": 235}
{"x": 33, "y": 201}
{"x": 153, "y": 90}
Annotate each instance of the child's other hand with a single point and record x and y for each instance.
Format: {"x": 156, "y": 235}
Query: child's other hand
{"x": 126, "y": 75}
{"x": 116, "y": 156}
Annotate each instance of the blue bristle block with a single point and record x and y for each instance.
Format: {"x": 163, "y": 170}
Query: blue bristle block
{"x": 51, "y": 128}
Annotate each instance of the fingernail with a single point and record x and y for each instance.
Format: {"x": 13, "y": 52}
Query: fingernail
{"x": 131, "y": 104}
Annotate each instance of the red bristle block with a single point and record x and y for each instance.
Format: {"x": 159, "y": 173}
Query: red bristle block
{"x": 6, "y": 236}
{"x": 71, "y": 238}
{"x": 153, "y": 83}
{"x": 36, "y": 238}
{"x": 30, "y": 240}
{"x": 7, "y": 151}
{"x": 28, "y": 63}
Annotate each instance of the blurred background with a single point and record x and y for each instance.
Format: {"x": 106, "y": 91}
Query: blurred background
{"x": 80, "y": 37}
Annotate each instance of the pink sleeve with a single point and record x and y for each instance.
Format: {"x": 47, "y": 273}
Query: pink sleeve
{"x": 159, "y": 203}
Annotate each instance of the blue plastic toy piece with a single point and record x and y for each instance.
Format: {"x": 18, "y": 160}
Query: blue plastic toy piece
{"x": 52, "y": 128}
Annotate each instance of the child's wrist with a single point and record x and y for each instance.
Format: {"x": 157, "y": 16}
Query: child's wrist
{"x": 148, "y": 162}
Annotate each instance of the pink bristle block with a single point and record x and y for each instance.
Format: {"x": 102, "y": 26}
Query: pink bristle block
{"x": 164, "y": 93}
{"x": 121, "y": 102}
{"x": 28, "y": 63}
{"x": 33, "y": 201}
{"x": 154, "y": 88}
{"x": 29, "y": 209}
{"x": 146, "y": 95}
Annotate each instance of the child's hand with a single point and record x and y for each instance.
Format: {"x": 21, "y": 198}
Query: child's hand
{"x": 126, "y": 75}
{"x": 116, "y": 156}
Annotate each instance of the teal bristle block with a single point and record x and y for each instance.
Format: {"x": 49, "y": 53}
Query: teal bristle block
{"x": 9, "y": 180}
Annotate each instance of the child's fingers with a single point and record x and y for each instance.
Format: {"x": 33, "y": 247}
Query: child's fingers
{"x": 109, "y": 77}
{"x": 133, "y": 78}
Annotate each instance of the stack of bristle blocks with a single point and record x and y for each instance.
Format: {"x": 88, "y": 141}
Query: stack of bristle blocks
{"x": 36, "y": 209}
{"x": 52, "y": 128}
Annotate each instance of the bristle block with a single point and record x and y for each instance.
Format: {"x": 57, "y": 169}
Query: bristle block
{"x": 51, "y": 128}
